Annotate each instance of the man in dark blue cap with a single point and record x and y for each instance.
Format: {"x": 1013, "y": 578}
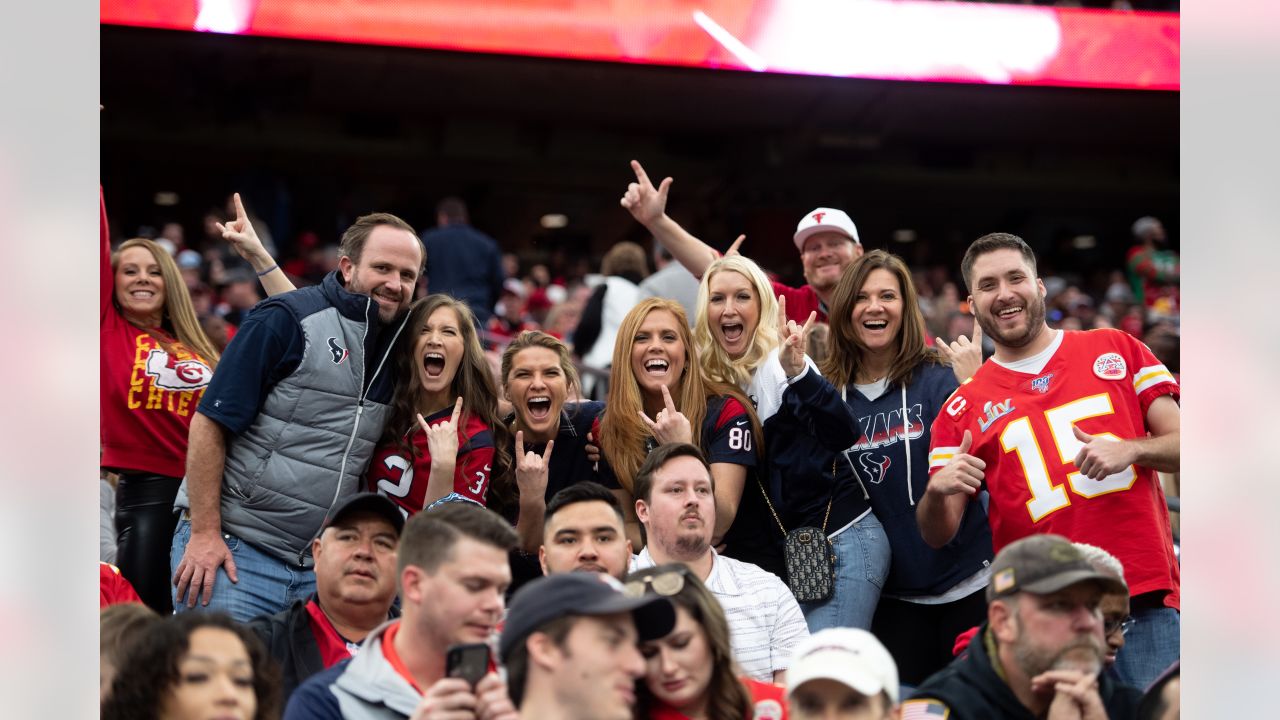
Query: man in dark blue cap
{"x": 570, "y": 646}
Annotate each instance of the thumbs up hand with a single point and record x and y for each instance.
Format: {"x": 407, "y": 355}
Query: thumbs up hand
{"x": 1102, "y": 455}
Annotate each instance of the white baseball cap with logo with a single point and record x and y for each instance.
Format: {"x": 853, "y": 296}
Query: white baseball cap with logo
{"x": 825, "y": 220}
{"x": 850, "y": 656}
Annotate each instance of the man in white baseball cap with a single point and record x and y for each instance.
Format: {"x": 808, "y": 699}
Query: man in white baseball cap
{"x": 826, "y": 238}
{"x": 842, "y": 673}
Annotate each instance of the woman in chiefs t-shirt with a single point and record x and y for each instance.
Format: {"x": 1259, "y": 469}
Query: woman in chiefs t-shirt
{"x": 156, "y": 363}
{"x": 444, "y": 439}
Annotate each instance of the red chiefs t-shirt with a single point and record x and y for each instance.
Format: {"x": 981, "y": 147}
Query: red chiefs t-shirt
{"x": 151, "y": 384}
{"x": 768, "y": 702}
{"x": 404, "y": 480}
{"x": 1102, "y": 381}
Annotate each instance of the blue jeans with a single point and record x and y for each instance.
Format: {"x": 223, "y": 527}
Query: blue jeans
{"x": 1150, "y": 647}
{"x": 862, "y": 564}
{"x": 265, "y": 585}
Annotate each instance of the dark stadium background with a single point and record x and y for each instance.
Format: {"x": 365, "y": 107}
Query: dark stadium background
{"x": 316, "y": 133}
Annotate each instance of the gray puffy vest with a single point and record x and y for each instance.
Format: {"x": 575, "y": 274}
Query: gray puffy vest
{"x": 314, "y": 434}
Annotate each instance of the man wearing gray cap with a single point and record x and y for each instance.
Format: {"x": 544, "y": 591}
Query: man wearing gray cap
{"x": 570, "y": 646}
{"x": 826, "y": 238}
{"x": 1040, "y": 653}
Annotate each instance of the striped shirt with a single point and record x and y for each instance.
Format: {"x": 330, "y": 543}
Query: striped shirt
{"x": 765, "y": 622}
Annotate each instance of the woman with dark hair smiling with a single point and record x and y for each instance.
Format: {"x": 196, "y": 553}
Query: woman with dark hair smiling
{"x": 195, "y": 666}
{"x": 896, "y": 386}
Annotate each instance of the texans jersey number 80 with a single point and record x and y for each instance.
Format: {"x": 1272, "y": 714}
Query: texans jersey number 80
{"x": 1018, "y": 437}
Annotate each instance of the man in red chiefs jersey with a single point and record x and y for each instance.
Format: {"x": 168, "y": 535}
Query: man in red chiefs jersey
{"x": 1065, "y": 431}
{"x": 355, "y": 586}
{"x": 826, "y": 238}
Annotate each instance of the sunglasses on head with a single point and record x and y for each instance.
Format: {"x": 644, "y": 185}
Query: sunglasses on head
{"x": 666, "y": 583}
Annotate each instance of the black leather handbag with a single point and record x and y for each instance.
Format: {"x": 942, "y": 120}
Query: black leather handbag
{"x": 810, "y": 560}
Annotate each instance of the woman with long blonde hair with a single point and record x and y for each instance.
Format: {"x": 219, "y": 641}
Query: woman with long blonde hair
{"x": 658, "y": 394}
{"x": 156, "y": 364}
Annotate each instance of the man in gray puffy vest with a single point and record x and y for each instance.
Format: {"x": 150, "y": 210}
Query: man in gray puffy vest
{"x": 288, "y": 424}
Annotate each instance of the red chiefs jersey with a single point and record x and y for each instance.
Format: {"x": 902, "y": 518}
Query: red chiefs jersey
{"x": 149, "y": 388}
{"x": 1102, "y": 381}
{"x": 404, "y": 480}
{"x": 113, "y": 588}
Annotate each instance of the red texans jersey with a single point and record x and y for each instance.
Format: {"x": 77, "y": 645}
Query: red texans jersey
{"x": 1102, "y": 381}
{"x": 404, "y": 480}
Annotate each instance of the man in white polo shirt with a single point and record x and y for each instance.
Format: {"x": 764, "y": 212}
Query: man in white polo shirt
{"x": 675, "y": 502}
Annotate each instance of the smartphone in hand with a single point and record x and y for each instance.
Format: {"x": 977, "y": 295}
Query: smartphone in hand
{"x": 469, "y": 662}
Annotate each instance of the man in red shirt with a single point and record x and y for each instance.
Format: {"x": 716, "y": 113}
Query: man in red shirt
{"x": 355, "y": 586}
{"x": 1065, "y": 431}
{"x": 453, "y": 573}
{"x": 826, "y": 238}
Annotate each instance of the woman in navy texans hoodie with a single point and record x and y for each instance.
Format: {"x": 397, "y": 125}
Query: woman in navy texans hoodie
{"x": 896, "y": 386}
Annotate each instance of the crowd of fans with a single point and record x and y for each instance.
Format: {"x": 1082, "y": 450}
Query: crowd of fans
{"x": 386, "y": 492}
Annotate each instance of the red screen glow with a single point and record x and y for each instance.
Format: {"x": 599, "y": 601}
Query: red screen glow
{"x": 880, "y": 39}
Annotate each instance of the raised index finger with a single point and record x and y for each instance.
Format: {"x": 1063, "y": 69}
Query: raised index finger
{"x": 240, "y": 213}
{"x": 782, "y": 316}
{"x": 666, "y": 399}
{"x": 519, "y": 446}
{"x": 641, "y": 175}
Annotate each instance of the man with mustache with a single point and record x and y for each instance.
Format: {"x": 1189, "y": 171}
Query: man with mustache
{"x": 675, "y": 502}
{"x": 1040, "y": 653}
{"x": 1066, "y": 432}
{"x": 355, "y": 586}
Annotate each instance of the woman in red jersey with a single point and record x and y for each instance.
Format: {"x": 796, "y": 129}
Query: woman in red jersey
{"x": 156, "y": 363}
{"x": 444, "y": 439}
{"x": 691, "y": 673}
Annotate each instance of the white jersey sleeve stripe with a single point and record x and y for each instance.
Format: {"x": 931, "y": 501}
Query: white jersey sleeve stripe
{"x": 1149, "y": 377}
{"x": 941, "y": 456}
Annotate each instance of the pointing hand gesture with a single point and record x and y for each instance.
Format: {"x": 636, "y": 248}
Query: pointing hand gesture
{"x": 1102, "y": 455}
{"x": 442, "y": 438}
{"x": 963, "y": 473}
{"x": 671, "y": 425}
{"x": 733, "y": 249}
{"x": 964, "y": 356}
{"x": 646, "y": 203}
{"x": 532, "y": 468}
{"x": 795, "y": 339}
{"x": 244, "y": 238}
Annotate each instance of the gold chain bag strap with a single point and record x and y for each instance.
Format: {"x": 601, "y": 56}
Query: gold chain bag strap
{"x": 810, "y": 560}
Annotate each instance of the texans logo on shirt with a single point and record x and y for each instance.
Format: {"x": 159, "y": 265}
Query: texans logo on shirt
{"x": 874, "y": 466}
{"x": 172, "y": 374}
{"x": 339, "y": 352}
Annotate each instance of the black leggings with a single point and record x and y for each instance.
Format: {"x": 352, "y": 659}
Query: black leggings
{"x": 920, "y": 637}
{"x": 144, "y": 535}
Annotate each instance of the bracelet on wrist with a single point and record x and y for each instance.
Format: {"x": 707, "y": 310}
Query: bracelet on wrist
{"x": 269, "y": 270}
